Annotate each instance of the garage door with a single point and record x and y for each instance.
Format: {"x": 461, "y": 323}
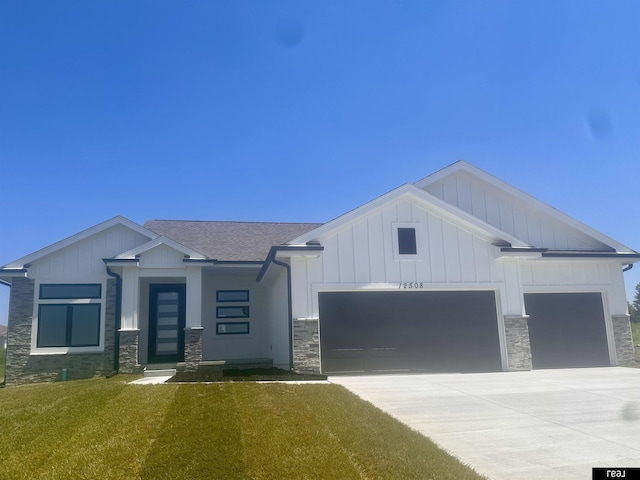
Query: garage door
{"x": 409, "y": 331}
{"x": 567, "y": 330}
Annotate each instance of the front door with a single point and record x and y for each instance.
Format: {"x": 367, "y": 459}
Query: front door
{"x": 166, "y": 323}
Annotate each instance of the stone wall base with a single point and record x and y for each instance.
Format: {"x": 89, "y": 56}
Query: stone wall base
{"x": 518, "y": 344}
{"x": 192, "y": 348}
{"x": 623, "y": 339}
{"x": 306, "y": 345}
{"x": 22, "y": 366}
{"x": 128, "y": 359}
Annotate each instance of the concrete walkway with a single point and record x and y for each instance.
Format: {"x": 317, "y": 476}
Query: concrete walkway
{"x": 519, "y": 425}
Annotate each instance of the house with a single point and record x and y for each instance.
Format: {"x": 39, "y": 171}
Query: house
{"x": 458, "y": 272}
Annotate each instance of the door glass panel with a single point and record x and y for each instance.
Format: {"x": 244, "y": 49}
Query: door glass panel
{"x": 167, "y": 308}
{"x": 167, "y": 296}
{"x": 167, "y": 334}
{"x": 167, "y": 321}
{"x": 167, "y": 348}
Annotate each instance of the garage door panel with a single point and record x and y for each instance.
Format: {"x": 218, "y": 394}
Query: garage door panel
{"x": 409, "y": 331}
{"x": 567, "y": 330}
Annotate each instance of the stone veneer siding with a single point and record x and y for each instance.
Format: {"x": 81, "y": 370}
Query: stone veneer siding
{"x": 22, "y": 367}
{"x": 623, "y": 339}
{"x": 128, "y": 360}
{"x": 518, "y": 344}
{"x": 192, "y": 348}
{"x": 306, "y": 345}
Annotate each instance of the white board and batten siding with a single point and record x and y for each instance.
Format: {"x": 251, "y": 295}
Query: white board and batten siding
{"x": 578, "y": 276}
{"x": 82, "y": 261}
{"x": 363, "y": 255}
{"x": 510, "y": 214}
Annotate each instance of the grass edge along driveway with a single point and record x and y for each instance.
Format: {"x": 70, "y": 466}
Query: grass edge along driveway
{"x": 107, "y": 429}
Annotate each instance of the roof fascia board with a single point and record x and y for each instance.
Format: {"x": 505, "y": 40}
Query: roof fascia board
{"x": 54, "y": 247}
{"x": 156, "y": 242}
{"x": 431, "y": 202}
{"x": 523, "y": 196}
{"x": 119, "y": 262}
{"x": 631, "y": 257}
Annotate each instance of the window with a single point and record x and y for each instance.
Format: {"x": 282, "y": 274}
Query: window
{"x": 407, "y": 241}
{"x": 234, "y": 305}
{"x": 232, "y": 312}
{"x": 232, "y": 296}
{"x": 55, "y": 291}
{"x": 69, "y": 325}
{"x": 69, "y": 315}
{"x": 232, "y": 328}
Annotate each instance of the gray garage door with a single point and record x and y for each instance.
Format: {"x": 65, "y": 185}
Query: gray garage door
{"x": 567, "y": 330}
{"x": 409, "y": 331}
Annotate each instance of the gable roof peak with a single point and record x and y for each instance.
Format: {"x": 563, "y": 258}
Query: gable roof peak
{"x": 462, "y": 165}
{"x": 117, "y": 220}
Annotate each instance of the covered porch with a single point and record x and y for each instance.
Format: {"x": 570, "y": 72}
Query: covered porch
{"x": 182, "y": 310}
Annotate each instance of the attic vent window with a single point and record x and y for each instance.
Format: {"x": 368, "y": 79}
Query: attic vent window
{"x": 407, "y": 241}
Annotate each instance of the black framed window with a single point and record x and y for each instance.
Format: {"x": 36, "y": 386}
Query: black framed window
{"x": 241, "y": 311}
{"x": 232, "y": 328}
{"x": 69, "y": 325}
{"x": 64, "y": 291}
{"x": 232, "y": 295}
{"x": 407, "y": 241}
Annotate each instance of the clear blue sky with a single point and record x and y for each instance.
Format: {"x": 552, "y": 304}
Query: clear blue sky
{"x": 301, "y": 110}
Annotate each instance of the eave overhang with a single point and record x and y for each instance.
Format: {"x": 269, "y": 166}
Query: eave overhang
{"x": 6, "y": 274}
{"x": 120, "y": 262}
{"x": 13, "y": 272}
{"x": 289, "y": 251}
{"x": 545, "y": 253}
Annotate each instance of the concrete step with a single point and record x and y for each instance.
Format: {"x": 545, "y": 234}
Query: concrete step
{"x": 159, "y": 372}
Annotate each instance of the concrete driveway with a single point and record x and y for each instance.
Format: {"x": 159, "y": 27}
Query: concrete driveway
{"x": 519, "y": 425}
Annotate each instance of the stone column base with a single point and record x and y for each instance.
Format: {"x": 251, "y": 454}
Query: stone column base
{"x": 516, "y": 331}
{"x": 306, "y": 345}
{"x": 192, "y": 348}
{"x": 623, "y": 340}
{"x": 128, "y": 355}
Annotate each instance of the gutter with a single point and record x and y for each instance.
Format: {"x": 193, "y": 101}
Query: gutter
{"x": 116, "y": 339}
{"x": 290, "y": 308}
{"x": 271, "y": 258}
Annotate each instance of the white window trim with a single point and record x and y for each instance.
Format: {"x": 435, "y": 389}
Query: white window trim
{"x": 420, "y": 246}
{"x": 35, "y": 350}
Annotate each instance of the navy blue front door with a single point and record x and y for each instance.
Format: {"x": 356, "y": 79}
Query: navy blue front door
{"x": 166, "y": 323}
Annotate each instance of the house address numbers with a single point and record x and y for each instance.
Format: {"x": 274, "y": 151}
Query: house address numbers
{"x": 411, "y": 285}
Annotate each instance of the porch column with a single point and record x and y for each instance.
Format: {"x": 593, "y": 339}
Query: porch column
{"x": 194, "y": 297}
{"x": 130, "y": 296}
{"x": 193, "y": 325}
{"x": 129, "y": 330}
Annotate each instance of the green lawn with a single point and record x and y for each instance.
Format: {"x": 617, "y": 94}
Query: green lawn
{"x": 107, "y": 429}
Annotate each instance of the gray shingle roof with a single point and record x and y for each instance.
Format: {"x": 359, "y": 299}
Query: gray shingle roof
{"x": 231, "y": 241}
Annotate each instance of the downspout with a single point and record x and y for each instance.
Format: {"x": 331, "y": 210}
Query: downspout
{"x": 116, "y": 338}
{"x": 288, "y": 268}
{"x": 627, "y": 268}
